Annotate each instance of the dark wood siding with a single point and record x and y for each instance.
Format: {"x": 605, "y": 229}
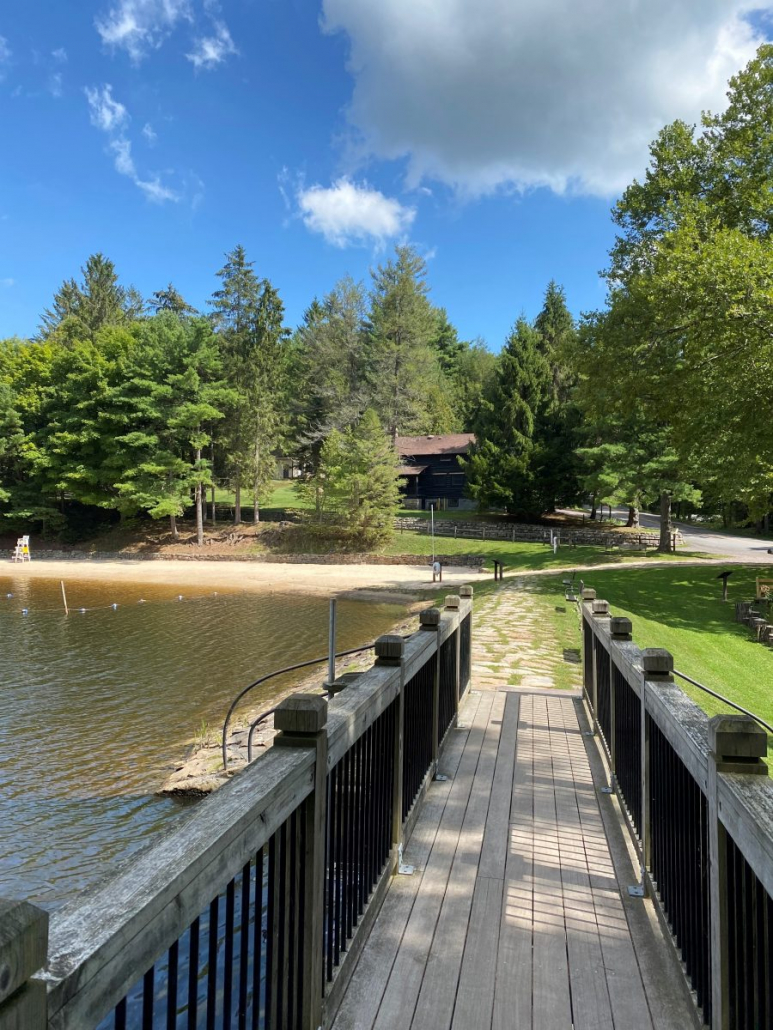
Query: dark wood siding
{"x": 442, "y": 479}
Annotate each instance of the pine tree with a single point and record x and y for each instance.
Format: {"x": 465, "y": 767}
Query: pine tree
{"x": 170, "y": 300}
{"x": 500, "y": 468}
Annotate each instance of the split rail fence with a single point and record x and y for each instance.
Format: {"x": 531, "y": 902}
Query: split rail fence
{"x": 251, "y": 910}
{"x": 700, "y": 802}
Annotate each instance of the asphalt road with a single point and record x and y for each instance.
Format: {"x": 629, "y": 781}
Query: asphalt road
{"x": 739, "y": 548}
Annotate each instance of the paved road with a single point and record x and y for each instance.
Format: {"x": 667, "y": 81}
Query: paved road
{"x": 739, "y": 548}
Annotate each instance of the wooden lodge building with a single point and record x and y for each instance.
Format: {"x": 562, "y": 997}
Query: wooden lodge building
{"x": 430, "y": 470}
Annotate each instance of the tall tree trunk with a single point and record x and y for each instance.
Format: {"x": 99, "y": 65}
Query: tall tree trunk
{"x": 593, "y": 507}
{"x": 256, "y": 485}
{"x": 199, "y": 502}
{"x": 213, "y": 508}
{"x": 633, "y": 517}
{"x": 237, "y": 500}
{"x": 665, "y": 522}
{"x": 173, "y": 526}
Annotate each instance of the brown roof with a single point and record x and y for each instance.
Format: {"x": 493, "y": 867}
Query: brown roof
{"x": 449, "y": 443}
{"x": 410, "y": 470}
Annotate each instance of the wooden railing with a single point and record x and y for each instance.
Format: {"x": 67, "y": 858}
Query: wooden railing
{"x": 251, "y": 910}
{"x": 700, "y": 804}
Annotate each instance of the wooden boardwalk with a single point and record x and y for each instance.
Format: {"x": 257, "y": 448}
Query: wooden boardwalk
{"x": 517, "y": 915}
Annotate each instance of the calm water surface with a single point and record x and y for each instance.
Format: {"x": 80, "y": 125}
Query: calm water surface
{"x": 98, "y": 707}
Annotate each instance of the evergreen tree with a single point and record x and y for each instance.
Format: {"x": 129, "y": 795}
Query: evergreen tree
{"x": 401, "y": 363}
{"x": 500, "y": 467}
{"x": 80, "y": 310}
{"x": 170, "y": 300}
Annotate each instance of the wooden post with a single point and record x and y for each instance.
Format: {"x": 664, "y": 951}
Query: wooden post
{"x": 599, "y": 610}
{"x": 620, "y": 630}
{"x": 390, "y": 649}
{"x": 737, "y": 745}
{"x": 657, "y": 667}
{"x": 23, "y": 951}
{"x": 301, "y": 721}
{"x": 429, "y": 619}
{"x": 466, "y": 594}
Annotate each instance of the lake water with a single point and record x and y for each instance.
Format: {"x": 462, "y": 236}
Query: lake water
{"x": 98, "y": 707}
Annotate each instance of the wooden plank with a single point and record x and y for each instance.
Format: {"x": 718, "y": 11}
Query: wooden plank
{"x": 23, "y": 944}
{"x": 513, "y": 990}
{"x": 435, "y": 1005}
{"x": 359, "y": 1007}
{"x": 493, "y": 853}
{"x": 552, "y": 1006}
{"x": 405, "y": 982}
{"x": 591, "y": 1007}
{"x": 475, "y": 996}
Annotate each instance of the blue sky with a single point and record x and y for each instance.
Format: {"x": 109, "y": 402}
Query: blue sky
{"x": 492, "y": 135}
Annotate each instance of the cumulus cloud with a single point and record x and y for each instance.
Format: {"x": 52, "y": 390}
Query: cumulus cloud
{"x": 105, "y": 113}
{"x": 138, "y": 26}
{"x": 210, "y": 51}
{"x": 482, "y": 94}
{"x": 350, "y": 213}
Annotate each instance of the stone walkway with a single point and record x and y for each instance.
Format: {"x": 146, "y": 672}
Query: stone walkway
{"x": 510, "y": 647}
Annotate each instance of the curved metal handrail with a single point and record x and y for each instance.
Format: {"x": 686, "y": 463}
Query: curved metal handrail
{"x": 271, "y": 675}
{"x": 725, "y": 700}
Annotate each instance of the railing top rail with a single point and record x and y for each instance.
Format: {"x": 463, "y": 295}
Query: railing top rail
{"x": 100, "y": 940}
{"x": 745, "y": 806}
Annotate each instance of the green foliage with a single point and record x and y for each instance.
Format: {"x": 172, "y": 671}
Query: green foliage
{"x": 356, "y": 483}
{"x": 80, "y": 310}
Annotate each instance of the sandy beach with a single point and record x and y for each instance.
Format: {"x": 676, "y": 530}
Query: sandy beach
{"x": 203, "y": 576}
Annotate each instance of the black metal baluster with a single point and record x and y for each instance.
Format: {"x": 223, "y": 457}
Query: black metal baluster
{"x": 244, "y": 947}
{"x": 147, "y": 999}
{"x": 171, "y": 995}
{"x": 214, "y": 919}
{"x": 193, "y": 974}
{"x": 271, "y": 934}
{"x": 258, "y": 949}
{"x": 228, "y": 960}
{"x": 120, "y": 1015}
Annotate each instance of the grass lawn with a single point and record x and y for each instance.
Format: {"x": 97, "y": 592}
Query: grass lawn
{"x": 516, "y": 556}
{"x": 681, "y": 609}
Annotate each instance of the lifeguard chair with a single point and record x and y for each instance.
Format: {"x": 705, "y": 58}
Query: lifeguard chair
{"x": 22, "y": 549}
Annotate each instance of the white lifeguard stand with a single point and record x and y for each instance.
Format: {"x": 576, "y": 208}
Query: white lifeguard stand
{"x": 22, "y": 549}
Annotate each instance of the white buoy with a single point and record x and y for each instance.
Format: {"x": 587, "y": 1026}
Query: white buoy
{"x": 82, "y": 611}
{"x": 114, "y": 606}
{"x": 179, "y": 597}
{"x": 141, "y": 601}
{"x": 9, "y": 595}
{"x": 25, "y": 611}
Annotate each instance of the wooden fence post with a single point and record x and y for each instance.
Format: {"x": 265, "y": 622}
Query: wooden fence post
{"x": 390, "y": 649}
{"x": 599, "y": 610}
{"x": 657, "y": 667}
{"x": 23, "y": 951}
{"x": 429, "y": 619}
{"x": 301, "y": 720}
{"x": 737, "y": 745}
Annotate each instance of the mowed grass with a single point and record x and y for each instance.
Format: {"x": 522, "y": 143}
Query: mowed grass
{"x": 516, "y": 557}
{"x": 681, "y": 609}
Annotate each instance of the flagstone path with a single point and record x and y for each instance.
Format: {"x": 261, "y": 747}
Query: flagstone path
{"x": 510, "y": 646}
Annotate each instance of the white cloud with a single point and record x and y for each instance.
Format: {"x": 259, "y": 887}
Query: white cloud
{"x": 105, "y": 113}
{"x": 7, "y": 283}
{"x": 482, "y": 94}
{"x": 350, "y": 213}
{"x": 149, "y": 133}
{"x": 59, "y": 55}
{"x": 55, "y": 84}
{"x": 138, "y": 26}
{"x": 112, "y": 117}
{"x": 210, "y": 51}
{"x": 5, "y": 56}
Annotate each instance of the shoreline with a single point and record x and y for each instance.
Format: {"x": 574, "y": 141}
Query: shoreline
{"x": 356, "y": 582}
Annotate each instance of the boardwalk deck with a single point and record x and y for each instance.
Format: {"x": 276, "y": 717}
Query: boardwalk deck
{"x": 517, "y": 915}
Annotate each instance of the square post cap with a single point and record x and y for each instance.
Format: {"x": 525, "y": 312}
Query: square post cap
{"x": 620, "y": 627}
{"x": 389, "y": 649}
{"x": 429, "y": 618}
{"x": 600, "y": 608}
{"x": 301, "y": 714}
{"x": 23, "y": 944}
{"x": 738, "y": 744}
{"x": 465, "y": 591}
{"x": 453, "y": 601}
{"x": 658, "y": 664}
{"x": 588, "y": 594}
